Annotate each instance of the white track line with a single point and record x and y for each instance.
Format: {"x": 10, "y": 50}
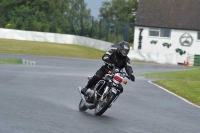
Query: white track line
{"x": 173, "y": 94}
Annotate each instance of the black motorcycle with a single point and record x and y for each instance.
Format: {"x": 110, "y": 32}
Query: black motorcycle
{"x": 101, "y": 96}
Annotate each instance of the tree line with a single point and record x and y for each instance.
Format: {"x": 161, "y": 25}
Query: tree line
{"x": 70, "y": 17}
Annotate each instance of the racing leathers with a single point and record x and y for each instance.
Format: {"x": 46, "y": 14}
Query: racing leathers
{"x": 114, "y": 57}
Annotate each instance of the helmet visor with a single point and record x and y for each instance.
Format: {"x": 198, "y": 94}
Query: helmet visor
{"x": 124, "y": 52}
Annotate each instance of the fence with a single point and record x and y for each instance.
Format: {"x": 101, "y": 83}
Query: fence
{"x": 106, "y": 30}
{"x": 193, "y": 60}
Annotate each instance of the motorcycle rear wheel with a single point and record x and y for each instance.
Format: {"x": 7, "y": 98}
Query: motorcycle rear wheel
{"x": 102, "y": 106}
{"x": 82, "y": 106}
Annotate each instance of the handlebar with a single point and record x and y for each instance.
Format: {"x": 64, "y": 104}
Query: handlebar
{"x": 125, "y": 74}
{"x": 128, "y": 77}
{"x": 112, "y": 65}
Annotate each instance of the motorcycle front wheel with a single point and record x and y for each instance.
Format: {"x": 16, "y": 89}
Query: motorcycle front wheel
{"x": 82, "y": 106}
{"x": 102, "y": 106}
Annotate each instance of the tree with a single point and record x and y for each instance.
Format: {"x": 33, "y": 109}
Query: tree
{"x": 26, "y": 14}
{"x": 120, "y": 11}
{"x": 44, "y": 15}
{"x": 79, "y": 15}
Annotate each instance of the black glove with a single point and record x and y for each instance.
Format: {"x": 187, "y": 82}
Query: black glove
{"x": 132, "y": 77}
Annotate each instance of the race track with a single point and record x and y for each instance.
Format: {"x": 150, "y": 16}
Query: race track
{"x": 44, "y": 99}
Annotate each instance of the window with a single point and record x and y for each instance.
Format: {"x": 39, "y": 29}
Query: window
{"x": 198, "y": 35}
{"x": 165, "y": 32}
{"x": 154, "y": 32}
{"x": 159, "y": 32}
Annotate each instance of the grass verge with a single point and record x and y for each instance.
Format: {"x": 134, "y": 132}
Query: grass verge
{"x": 183, "y": 83}
{"x": 10, "y": 61}
{"x": 48, "y": 49}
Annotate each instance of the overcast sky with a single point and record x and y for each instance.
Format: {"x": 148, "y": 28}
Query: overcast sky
{"x": 94, "y": 5}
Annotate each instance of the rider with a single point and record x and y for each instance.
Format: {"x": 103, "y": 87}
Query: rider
{"x": 118, "y": 57}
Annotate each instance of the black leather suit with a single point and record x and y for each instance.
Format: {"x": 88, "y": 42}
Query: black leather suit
{"x": 114, "y": 57}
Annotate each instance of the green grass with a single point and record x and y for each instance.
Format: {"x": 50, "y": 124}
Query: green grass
{"x": 183, "y": 83}
{"x": 48, "y": 49}
{"x": 10, "y": 61}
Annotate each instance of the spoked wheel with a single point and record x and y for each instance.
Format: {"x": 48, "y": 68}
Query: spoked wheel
{"x": 102, "y": 106}
{"x": 82, "y": 106}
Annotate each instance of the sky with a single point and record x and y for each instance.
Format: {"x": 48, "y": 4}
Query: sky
{"x": 94, "y": 5}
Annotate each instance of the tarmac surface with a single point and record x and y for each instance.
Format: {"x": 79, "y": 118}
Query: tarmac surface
{"x": 44, "y": 99}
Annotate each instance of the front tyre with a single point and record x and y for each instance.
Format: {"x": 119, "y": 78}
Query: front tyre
{"x": 102, "y": 106}
{"x": 82, "y": 106}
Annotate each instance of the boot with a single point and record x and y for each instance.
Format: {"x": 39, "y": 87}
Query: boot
{"x": 83, "y": 91}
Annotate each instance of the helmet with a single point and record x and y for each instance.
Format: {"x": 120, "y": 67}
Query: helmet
{"x": 123, "y": 48}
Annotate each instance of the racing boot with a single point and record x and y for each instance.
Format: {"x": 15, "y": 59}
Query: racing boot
{"x": 83, "y": 91}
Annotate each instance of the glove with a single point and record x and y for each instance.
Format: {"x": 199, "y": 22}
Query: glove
{"x": 132, "y": 77}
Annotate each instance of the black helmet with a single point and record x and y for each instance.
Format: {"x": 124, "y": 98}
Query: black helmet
{"x": 123, "y": 47}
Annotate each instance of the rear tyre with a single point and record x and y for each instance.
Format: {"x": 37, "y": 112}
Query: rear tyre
{"x": 102, "y": 106}
{"x": 82, "y": 106}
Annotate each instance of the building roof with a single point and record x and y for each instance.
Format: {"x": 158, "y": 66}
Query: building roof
{"x": 174, "y": 14}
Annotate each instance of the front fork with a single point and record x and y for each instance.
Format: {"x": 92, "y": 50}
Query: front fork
{"x": 104, "y": 93}
{"x": 114, "y": 90}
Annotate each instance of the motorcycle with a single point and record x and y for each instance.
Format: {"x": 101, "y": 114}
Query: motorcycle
{"x": 102, "y": 95}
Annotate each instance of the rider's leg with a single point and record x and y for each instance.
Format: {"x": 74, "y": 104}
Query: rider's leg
{"x": 98, "y": 76}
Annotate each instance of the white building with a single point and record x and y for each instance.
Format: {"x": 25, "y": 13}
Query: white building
{"x": 168, "y": 26}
